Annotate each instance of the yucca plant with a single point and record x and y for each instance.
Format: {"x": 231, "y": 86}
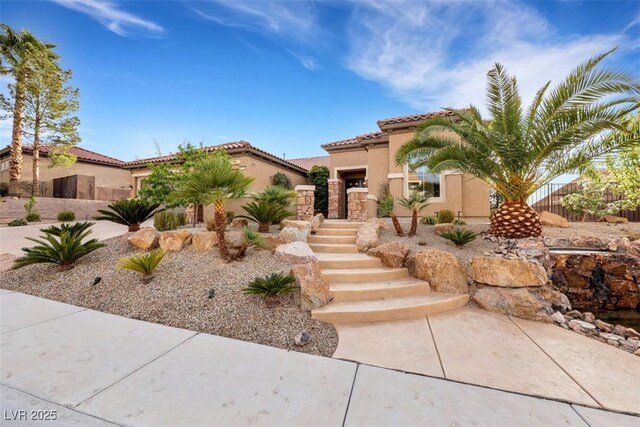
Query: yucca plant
{"x": 144, "y": 263}
{"x": 129, "y": 212}
{"x": 62, "y": 245}
{"x": 272, "y": 285}
{"x": 214, "y": 180}
{"x": 416, "y": 201}
{"x": 516, "y": 151}
{"x": 265, "y": 213}
{"x": 460, "y": 236}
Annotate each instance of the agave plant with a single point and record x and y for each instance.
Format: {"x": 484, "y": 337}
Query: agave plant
{"x": 265, "y": 214}
{"x": 144, "y": 263}
{"x": 460, "y": 236}
{"x": 416, "y": 202}
{"x": 516, "y": 151}
{"x": 62, "y": 245}
{"x": 272, "y": 285}
{"x": 131, "y": 212}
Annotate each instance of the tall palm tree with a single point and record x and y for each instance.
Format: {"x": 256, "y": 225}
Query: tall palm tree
{"x": 213, "y": 180}
{"x": 416, "y": 202}
{"x": 17, "y": 52}
{"x": 585, "y": 116}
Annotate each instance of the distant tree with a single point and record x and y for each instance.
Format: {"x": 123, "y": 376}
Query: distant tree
{"x": 17, "y": 54}
{"x": 282, "y": 180}
{"x": 319, "y": 176}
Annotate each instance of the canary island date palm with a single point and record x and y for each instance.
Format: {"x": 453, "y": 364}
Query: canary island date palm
{"x": 415, "y": 202}
{"x": 516, "y": 151}
{"x": 213, "y": 180}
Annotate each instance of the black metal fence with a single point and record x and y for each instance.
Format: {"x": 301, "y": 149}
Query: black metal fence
{"x": 548, "y": 197}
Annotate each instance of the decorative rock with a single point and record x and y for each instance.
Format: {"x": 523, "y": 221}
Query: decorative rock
{"x": 441, "y": 270}
{"x": 146, "y": 238}
{"x": 392, "y": 254}
{"x": 619, "y": 330}
{"x": 615, "y": 219}
{"x": 300, "y": 225}
{"x": 234, "y": 239}
{"x": 271, "y": 242}
{"x": 239, "y": 223}
{"x": 6, "y": 261}
{"x": 574, "y": 313}
{"x": 588, "y": 317}
{"x": 369, "y": 234}
{"x": 293, "y": 234}
{"x": 203, "y": 242}
{"x": 507, "y": 273}
{"x": 631, "y": 333}
{"x": 514, "y": 302}
{"x": 579, "y": 324}
{"x": 211, "y": 293}
{"x": 558, "y": 317}
{"x": 295, "y": 253}
{"x": 443, "y": 228}
{"x": 603, "y": 326}
{"x": 302, "y": 339}
{"x": 552, "y": 220}
{"x": 316, "y": 223}
{"x": 314, "y": 288}
{"x": 174, "y": 241}
{"x": 613, "y": 337}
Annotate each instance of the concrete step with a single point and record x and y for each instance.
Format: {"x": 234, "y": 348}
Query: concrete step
{"x": 331, "y": 239}
{"x": 328, "y": 260}
{"x": 341, "y": 224}
{"x": 337, "y": 232}
{"x": 387, "y": 289}
{"x": 380, "y": 310}
{"x": 355, "y": 275}
{"x": 333, "y": 248}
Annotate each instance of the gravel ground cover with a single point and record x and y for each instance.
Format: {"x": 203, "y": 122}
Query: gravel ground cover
{"x": 178, "y": 295}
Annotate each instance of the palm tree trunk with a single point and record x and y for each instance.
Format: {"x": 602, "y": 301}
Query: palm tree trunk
{"x": 220, "y": 219}
{"x": 414, "y": 223}
{"x": 15, "y": 163}
{"x": 264, "y": 227}
{"x": 515, "y": 220}
{"x": 396, "y": 225}
{"x": 36, "y": 158}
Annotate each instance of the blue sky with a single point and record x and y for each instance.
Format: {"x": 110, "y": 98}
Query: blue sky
{"x": 289, "y": 76}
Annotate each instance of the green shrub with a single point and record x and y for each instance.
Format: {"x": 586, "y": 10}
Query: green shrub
{"x": 272, "y": 285}
{"x": 460, "y": 236}
{"x": 276, "y": 196}
{"x": 32, "y": 217}
{"x": 165, "y": 221}
{"x": 265, "y": 214}
{"x": 459, "y": 222}
{"x": 131, "y": 212}
{"x": 144, "y": 263}
{"x": 66, "y": 216}
{"x": 385, "y": 206}
{"x": 282, "y": 180}
{"x": 318, "y": 176}
{"x": 446, "y": 216}
{"x": 181, "y": 217}
{"x": 17, "y": 222}
{"x": 62, "y": 245}
{"x": 428, "y": 220}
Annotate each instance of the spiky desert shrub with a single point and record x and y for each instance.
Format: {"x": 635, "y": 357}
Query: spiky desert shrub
{"x": 460, "y": 236}
{"x": 428, "y": 220}
{"x": 272, "y": 285}
{"x": 62, "y": 245}
{"x": 165, "y": 221}
{"x": 265, "y": 213}
{"x": 17, "y": 222}
{"x": 144, "y": 263}
{"x": 66, "y": 216}
{"x": 129, "y": 212}
{"x": 385, "y": 206}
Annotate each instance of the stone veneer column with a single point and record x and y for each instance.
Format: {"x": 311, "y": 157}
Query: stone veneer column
{"x": 357, "y": 204}
{"x": 306, "y": 200}
{"x": 335, "y": 198}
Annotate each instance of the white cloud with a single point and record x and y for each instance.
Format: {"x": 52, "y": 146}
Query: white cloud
{"x": 112, "y": 17}
{"x": 307, "y": 61}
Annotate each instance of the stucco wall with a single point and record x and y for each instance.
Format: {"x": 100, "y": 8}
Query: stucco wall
{"x": 346, "y": 159}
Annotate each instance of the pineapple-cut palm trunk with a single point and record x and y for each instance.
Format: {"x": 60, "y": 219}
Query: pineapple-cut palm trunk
{"x": 396, "y": 225}
{"x": 220, "y": 219}
{"x": 414, "y": 223}
{"x": 515, "y": 220}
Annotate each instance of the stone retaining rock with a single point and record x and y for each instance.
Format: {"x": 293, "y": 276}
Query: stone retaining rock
{"x": 441, "y": 270}
{"x": 239, "y": 223}
{"x": 300, "y": 225}
{"x": 519, "y": 302}
{"x": 234, "y": 239}
{"x": 552, "y": 220}
{"x": 392, "y": 254}
{"x": 146, "y": 238}
{"x": 174, "y": 241}
{"x": 295, "y": 253}
{"x": 294, "y": 234}
{"x": 203, "y": 242}
{"x": 443, "y": 228}
{"x": 271, "y": 242}
{"x": 507, "y": 273}
{"x": 369, "y": 234}
{"x": 314, "y": 288}
{"x": 316, "y": 223}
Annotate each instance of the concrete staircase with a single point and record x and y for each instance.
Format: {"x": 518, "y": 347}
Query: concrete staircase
{"x": 366, "y": 291}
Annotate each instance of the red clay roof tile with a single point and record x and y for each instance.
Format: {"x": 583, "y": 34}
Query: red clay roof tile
{"x": 308, "y": 162}
{"x": 412, "y": 118}
{"x": 81, "y": 153}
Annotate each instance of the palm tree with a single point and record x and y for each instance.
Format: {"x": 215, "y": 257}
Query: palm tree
{"x": 585, "y": 116}
{"x": 213, "y": 180}
{"x": 416, "y": 202}
{"x": 17, "y": 52}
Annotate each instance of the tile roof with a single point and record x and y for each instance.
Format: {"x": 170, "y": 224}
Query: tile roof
{"x": 344, "y": 142}
{"x": 412, "y": 118}
{"x": 354, "y": 141}
{"x": 81, "y": 153}
{"x": 173, "y": 156}
{"x": 308, "y": 162}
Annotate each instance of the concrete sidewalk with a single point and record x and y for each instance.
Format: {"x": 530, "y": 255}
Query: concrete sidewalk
{"x": 90, "y": 368}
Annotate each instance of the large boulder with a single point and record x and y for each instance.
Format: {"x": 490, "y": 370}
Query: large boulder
{"x": 295, "y": 253}
{"x": 146, "y": 238}
{"x": 239, "y": 223}
{"x": 300, "y": 225}
{"x": 234, "y": 239}
{"x": 314, "y": 288}
{"x": 293, "y": 234}
{"x": 271, "y": 242}
{"x": 316, "y": 222}
{"x": 442, "y": 270}
{"x": 531, "y": 304}
{"x": 203, "y": 242}
{"x": 392, "y": 254}
{"x": 444, "y": 227}
{"x": 507, "y": 273}
{"x": 174, "y": 241}
{"x": 552, "y": 220}
{"x": 369, "y": 234}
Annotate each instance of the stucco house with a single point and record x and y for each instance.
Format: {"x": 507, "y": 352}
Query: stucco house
{"x": 361, "y": 166}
